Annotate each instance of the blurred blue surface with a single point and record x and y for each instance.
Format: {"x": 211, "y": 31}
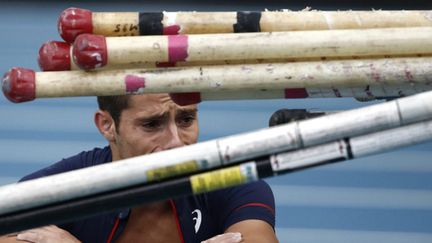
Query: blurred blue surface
{"x": 383, "y": 198}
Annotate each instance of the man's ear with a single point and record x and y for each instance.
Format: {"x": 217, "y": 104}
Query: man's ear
{"x": 105, "y": 123}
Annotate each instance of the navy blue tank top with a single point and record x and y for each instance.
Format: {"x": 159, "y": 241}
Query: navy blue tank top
{"x": 199, "y": 217}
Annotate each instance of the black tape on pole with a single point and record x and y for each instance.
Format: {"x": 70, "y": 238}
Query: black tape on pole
{"x": 247, "y": 22}
{"x": 150, "y": 23}
{"x": 264, "y": 167}
{"x": 349, "y": 149}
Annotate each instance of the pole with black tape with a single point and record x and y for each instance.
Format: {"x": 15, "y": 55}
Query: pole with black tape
{"x": 245, "y": 172}
{"x": 75, "y": 21}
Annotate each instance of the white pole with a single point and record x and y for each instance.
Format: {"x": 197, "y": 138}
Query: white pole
{"x": 215, "y": 153}
{"x": 242, "y": 173}
{"x": 355, "y": 147}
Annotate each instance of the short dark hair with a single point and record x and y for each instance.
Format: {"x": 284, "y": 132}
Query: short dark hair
{"x": 114, "y": 105}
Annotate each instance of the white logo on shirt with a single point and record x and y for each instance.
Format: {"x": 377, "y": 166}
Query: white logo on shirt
{"x": 197, "y": 219}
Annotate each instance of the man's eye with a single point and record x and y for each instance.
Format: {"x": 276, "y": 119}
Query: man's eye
{"x": 152, "y": 124}
{"x": 186, "y": 121}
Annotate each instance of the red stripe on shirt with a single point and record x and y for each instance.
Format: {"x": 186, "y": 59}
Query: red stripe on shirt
{"x": 257, "y": 205}
{"x": 174, "y": 209}
{"x": 114, "y": 229}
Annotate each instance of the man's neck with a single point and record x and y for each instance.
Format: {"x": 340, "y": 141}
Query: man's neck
{"x": 157, "y": 207}
{"x": 153, "y": 222}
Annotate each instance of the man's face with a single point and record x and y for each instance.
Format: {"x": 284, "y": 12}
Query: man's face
{"x": 153, "y": 123}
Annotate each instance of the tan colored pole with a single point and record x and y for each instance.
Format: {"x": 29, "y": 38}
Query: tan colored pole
{"x": 356, "y": 73}
{"x": 57, "y": 56}
{"x": 158, "y": 23}
{"x": 26, "y": 85}
{"x": 93, "y": 51}
{"x": 322, "y": 20}
{"x": 360, "y": 93}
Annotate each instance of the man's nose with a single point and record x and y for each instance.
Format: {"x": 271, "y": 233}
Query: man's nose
{"x": 173, "y": 137}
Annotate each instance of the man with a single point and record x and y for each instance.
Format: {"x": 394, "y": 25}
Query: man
{"x": 142, "y": 124}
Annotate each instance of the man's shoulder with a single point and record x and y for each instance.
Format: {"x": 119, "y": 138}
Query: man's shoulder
{"x": 238, "y": 196}
{"x": 81, "y": 160}
{"x": 255, "y": 189}
{"x": 223, "y": 208}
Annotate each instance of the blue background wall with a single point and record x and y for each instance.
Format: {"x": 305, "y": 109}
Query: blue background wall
{"x": 384, "y": 198}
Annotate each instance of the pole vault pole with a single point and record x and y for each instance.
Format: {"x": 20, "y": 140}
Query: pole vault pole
{"x": 57, "y": 56}
{"x": 214, "y": 153}
{"x": 295, "y": 79}
{"x": 256, "y": 168}
{"x": 75, "y": 21}
{"x": 361, "y": 94}
{"x": 96, "y": 51}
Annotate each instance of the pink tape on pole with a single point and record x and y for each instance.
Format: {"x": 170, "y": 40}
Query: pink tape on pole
{"x": 183, "y": 99}
{"x": 171, "y": 30}
{"x": 134, "y": 84}
{"x": 296, "y": 93}
{"x": 165, "y": 64}
{"x": 177, "y": 48}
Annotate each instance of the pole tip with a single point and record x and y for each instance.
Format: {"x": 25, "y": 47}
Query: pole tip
{"x": 18, "y": 85}
{"x": 73, "y": 22}
{"x": 54, "y": 56}
{"x": 90, "y": 51}
{"x": 183, "y": 99}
